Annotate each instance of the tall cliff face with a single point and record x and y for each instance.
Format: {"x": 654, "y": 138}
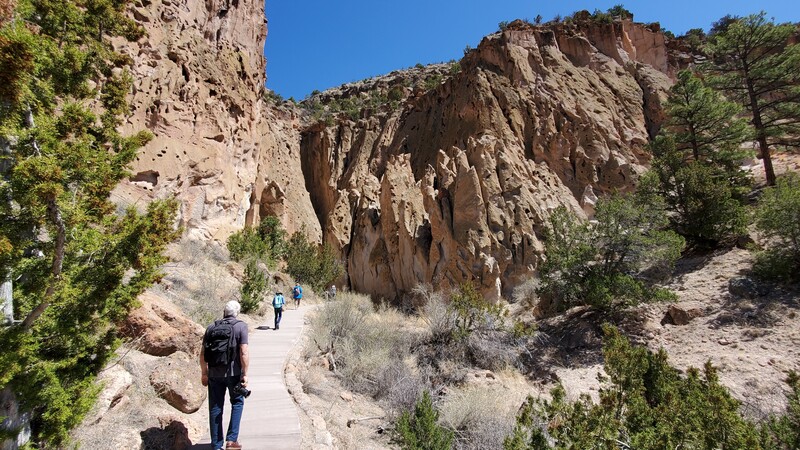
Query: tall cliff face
{"x": 457, "y": 184}
{"x": 219, "y": 148}
{"x": 454, "y": 183}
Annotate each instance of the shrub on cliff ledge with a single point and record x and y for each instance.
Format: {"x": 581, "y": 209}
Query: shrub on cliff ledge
{"x": 606, "y": 264}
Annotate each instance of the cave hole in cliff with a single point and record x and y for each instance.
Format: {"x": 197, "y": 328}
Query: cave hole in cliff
{"x": 147, "y": 176}
{"x": 236, "y": 111}
{"x": 185, "y": 72}
{"x": 424, "y": 238}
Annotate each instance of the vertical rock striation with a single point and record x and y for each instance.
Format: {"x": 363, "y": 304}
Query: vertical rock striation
{"x": 457, "y": 185}
{"x": 199, "y": 85}
{"x": 454, "y": 184}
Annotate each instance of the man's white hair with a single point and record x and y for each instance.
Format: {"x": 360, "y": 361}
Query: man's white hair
{"x": 232, "y": 309}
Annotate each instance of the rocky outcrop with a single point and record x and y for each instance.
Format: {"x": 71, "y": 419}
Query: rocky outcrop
{"x": 177, "y": 381}
{"x": 228, "y": 156}
{"x": 115, "y": 381}
{"x": 458, "y": 184}
{"x": 159, "y": 328}
{"x": 447, "y": 176}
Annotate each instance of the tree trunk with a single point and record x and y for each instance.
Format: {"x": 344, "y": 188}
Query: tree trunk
{"x": 767, "y": 158}
{"x": 7, "y": 299}
{"x": 54, "y": 214}
{"x": 761, "y": 134}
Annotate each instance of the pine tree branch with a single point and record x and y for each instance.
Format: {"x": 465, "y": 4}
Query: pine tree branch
{"x": 54, "y": 214}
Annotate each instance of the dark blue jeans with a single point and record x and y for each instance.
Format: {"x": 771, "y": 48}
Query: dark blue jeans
{"x": 278, "y": 315}
{"x": 216, "y": 403}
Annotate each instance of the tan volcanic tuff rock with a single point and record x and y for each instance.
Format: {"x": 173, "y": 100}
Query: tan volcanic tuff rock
{"x": 159, "y": 328}
{"x": 176, "y": 379}
{"x": 453, "y": 185}
{"x": 228, "y": 156}
{"x": 458, "y": 184}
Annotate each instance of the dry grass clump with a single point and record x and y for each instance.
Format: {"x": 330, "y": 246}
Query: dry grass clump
{"x": 198, "y": 279}
{"x": 369, "y": 349}
{"x": 494, "y": 350}
{"x": 481, "y": 417}
{"x": 393, "y": 357}
{"x": 438, "y": 317}
{"x": 490, "y": 344}
{"x": 526, "y": 293}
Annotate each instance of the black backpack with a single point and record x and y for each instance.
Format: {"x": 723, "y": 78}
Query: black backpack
{"x": 218, "y": 348}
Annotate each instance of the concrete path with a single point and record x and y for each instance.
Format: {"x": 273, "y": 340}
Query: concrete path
{"x": 269, "y": 420}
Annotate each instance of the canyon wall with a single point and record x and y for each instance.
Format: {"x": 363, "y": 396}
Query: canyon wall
{"x": 451, "y": 183}
{"x": 457, "y": 184}
{"x": 228, "y": 156}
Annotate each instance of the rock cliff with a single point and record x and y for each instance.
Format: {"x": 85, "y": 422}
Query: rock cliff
{"x": 437, "y": 175}
{"x": 199, "y": 87}
{"x": 456, "y": 182}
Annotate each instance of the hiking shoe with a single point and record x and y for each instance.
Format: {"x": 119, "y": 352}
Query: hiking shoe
{"x": 232, "y": 445}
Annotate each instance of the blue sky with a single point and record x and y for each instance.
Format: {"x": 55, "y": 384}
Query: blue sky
{"x": 321, "y": 44}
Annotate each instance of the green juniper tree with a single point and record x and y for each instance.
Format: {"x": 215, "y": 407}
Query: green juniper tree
{"x": 644, "y": 404}
{"x": 754, "y": 63}
{"x": 606, "y": 264}
{"x": 421, "y": 431}
{"x": 77, "y": 265}
{"x": 696, "y": 163}
{"x": 778, "y": 219}
{"x": 311, "y": 264}
{"x": 254, "y": 286}
{"x": 705, "y": 126}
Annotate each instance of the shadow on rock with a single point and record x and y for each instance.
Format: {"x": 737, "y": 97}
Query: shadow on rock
{"x": 174, "y": 436}
{"x": 756, "y": 304}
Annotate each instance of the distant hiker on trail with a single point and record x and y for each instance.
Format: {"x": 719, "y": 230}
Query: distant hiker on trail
{"x": 297, "y": 294}
{"x": 277, "y": 303}
{"x": 223, "y": 365}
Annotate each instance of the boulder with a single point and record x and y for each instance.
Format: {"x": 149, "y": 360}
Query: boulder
{"x": 683, "y": 313}
{"x": 176, "y": 379}
{"x": 170, "y": 434}
{"x": 116, "y": 381}
{"x": 743, "y": 287}
{"x": 161, "y": 328}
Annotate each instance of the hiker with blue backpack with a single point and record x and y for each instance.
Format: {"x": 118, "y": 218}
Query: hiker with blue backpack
{"x": 277, "y": 303}
{"x": 297, "y": 294}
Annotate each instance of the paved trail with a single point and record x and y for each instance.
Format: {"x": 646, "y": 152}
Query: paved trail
{"x": 270, "y": 420}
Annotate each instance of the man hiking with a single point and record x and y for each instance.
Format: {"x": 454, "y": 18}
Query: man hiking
{"x": 223, "y": 365}
{"x": 297, "y": 294}
{"x": 277, "y": 304}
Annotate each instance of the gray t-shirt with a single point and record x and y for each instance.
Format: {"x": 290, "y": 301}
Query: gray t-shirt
{"x": 235, "y": 368}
